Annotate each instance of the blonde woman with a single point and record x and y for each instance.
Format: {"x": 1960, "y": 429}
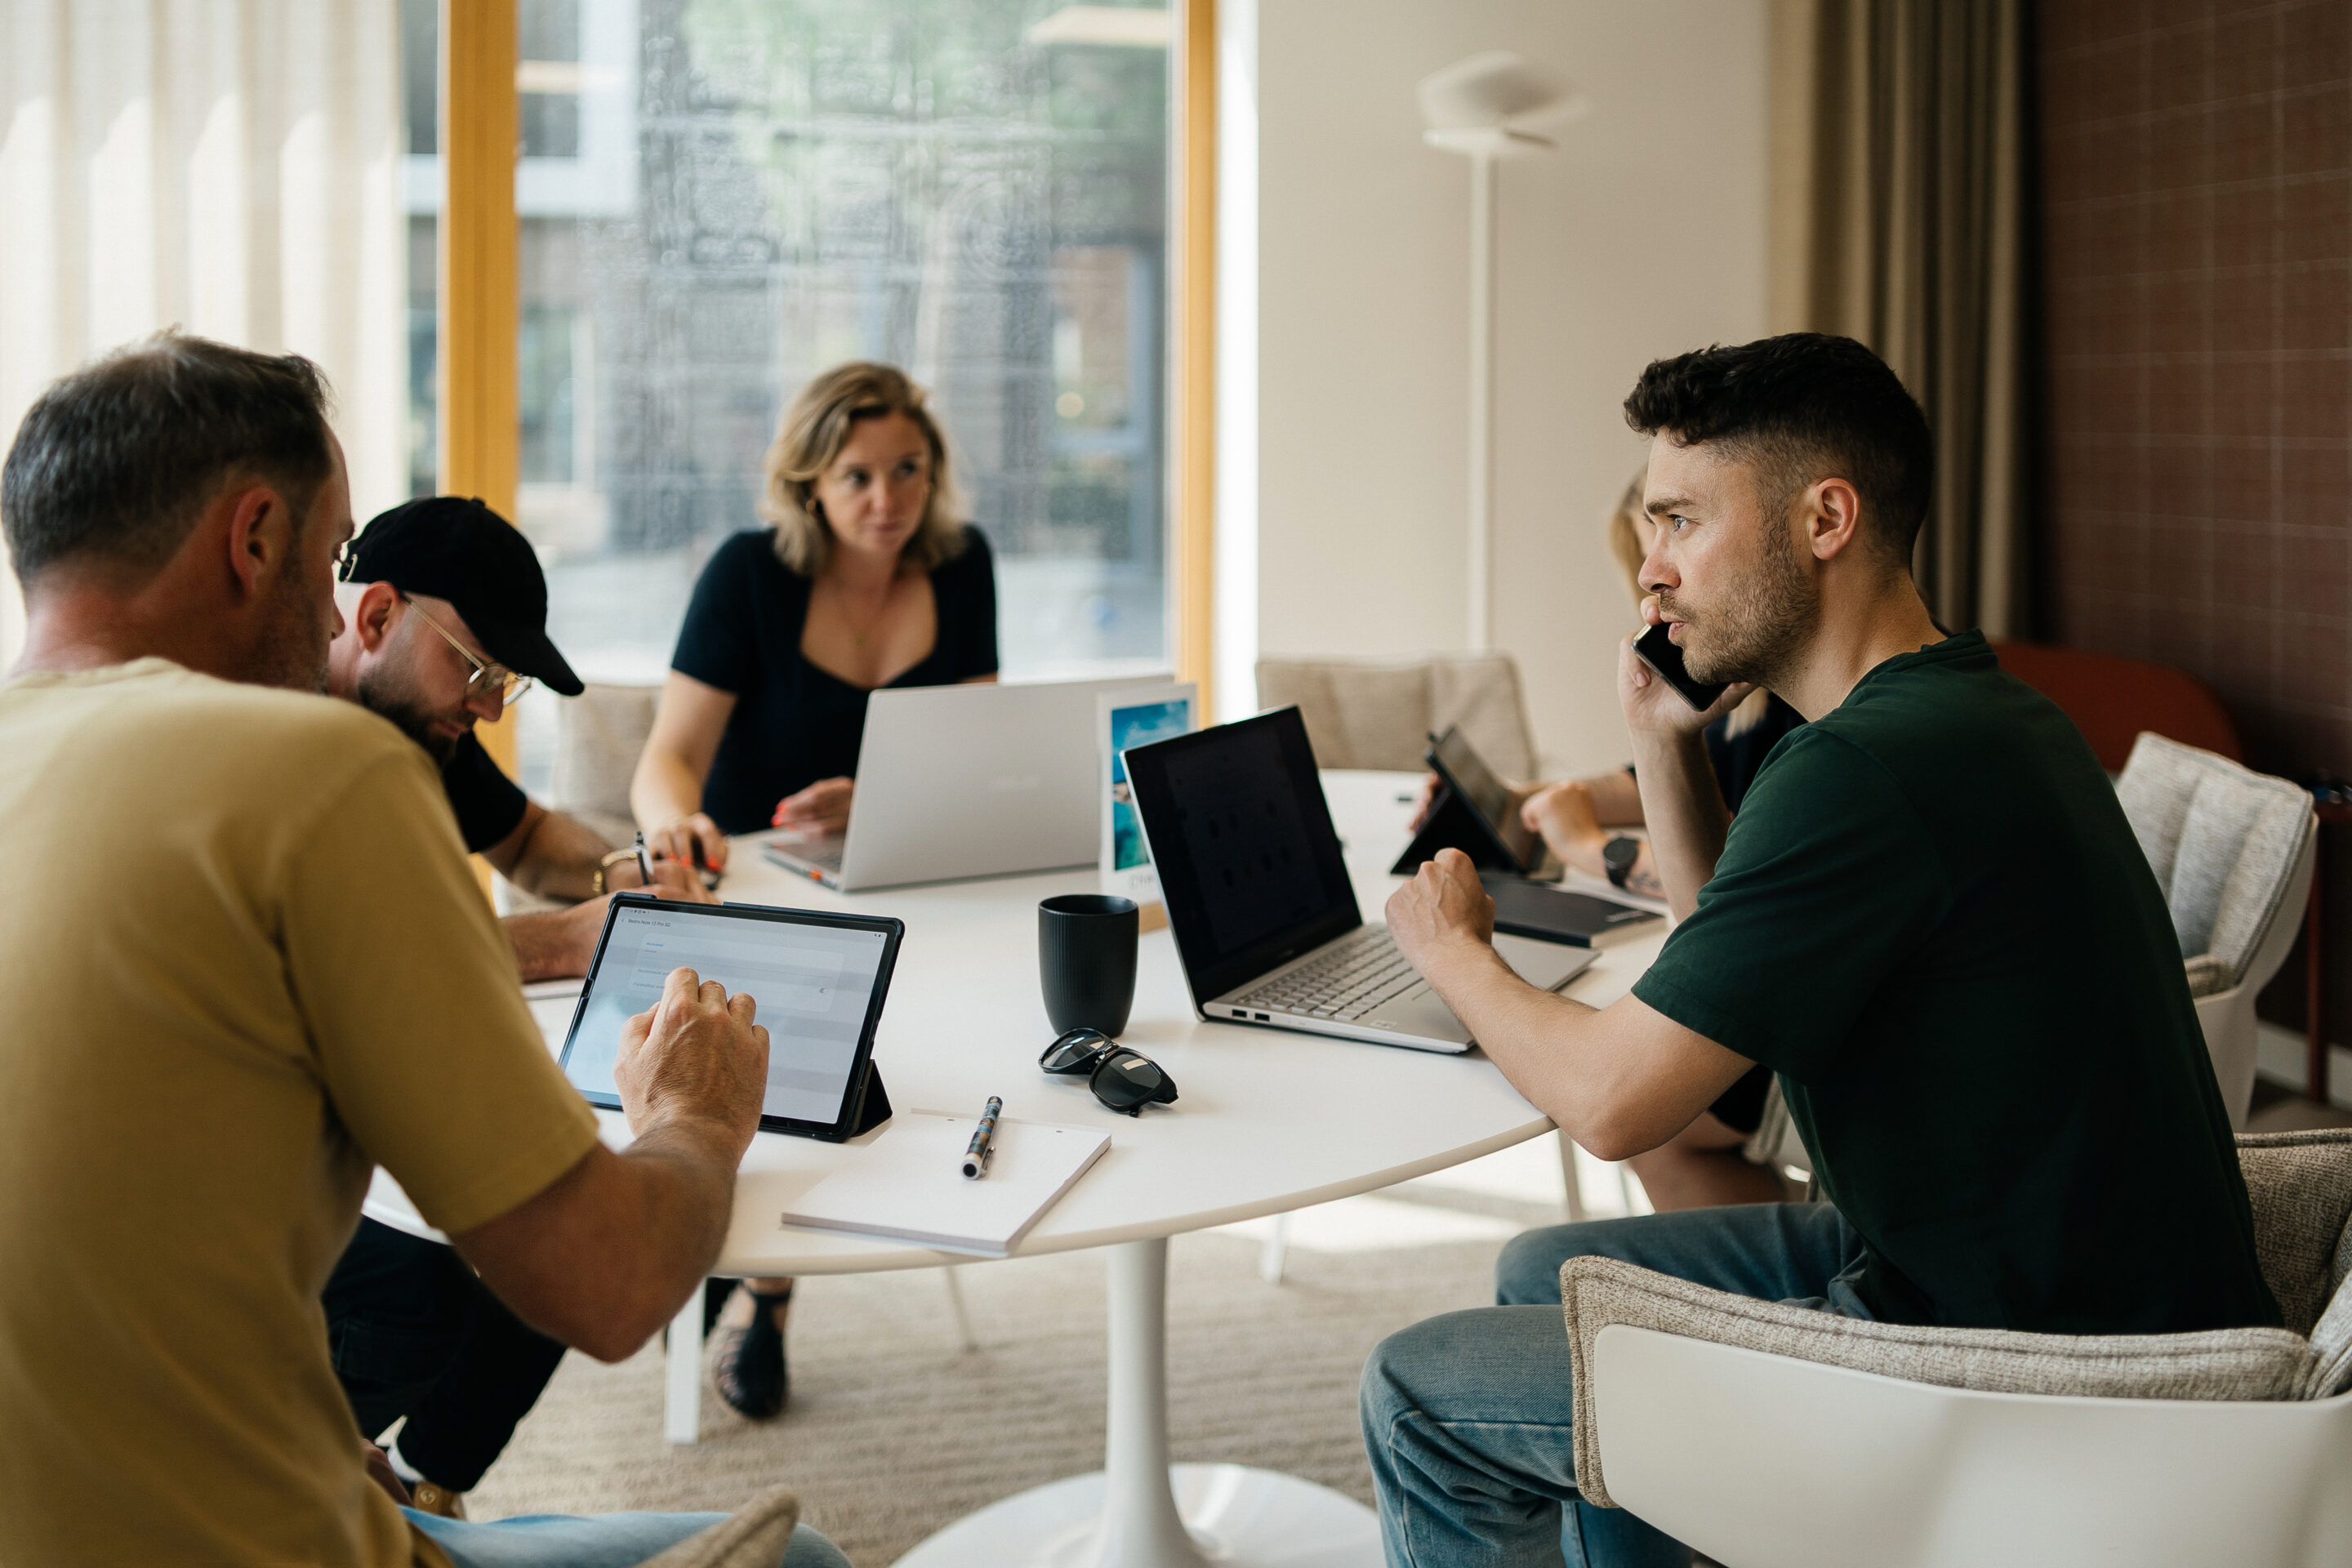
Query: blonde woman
{"x": 865, "y": 578}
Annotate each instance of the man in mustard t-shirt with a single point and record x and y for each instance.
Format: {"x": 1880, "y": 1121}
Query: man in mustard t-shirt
{"x": 256, "y": 966}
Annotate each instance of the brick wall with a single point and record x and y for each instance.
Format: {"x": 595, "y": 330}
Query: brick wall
{"x": 2195, "y": 210}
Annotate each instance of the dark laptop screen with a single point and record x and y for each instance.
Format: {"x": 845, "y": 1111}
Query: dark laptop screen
{"x": 1248, "y": 860}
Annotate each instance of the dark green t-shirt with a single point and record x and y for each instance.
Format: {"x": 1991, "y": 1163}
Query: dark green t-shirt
{"x": 1933, "y": 922}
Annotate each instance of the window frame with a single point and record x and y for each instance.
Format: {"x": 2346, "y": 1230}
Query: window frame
{"x": 479, "y": 244}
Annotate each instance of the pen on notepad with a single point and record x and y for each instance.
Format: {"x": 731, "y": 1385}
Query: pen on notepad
{"x": 983, "y": 1141}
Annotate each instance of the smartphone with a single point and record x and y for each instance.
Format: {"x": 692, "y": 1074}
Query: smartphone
{"x": 1659, "y": 652}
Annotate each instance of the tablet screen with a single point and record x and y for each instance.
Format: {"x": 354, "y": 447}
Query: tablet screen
{"x": 813, "y": 983}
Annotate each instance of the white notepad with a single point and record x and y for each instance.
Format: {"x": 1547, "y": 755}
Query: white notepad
{"x": 908, "y": 1183}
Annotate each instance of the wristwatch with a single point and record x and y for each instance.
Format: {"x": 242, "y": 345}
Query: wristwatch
{"x": 1618, "y": 855}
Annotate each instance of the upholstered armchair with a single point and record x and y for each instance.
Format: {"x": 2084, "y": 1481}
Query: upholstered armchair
{"x": 1776, "y": 1437}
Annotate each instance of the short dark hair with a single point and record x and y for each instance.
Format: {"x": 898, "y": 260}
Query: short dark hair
{"x": 113, "y": 463}
{"x": 1806, "y": 405}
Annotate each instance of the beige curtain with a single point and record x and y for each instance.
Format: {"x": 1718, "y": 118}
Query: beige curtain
{"x": 1898, "y": 208}
{"x": 229, "y": 166}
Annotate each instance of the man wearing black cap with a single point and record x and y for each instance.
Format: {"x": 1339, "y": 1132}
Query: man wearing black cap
{"x": 445, "y": 622}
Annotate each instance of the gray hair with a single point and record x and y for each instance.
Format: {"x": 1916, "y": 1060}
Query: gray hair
{"x": 113, "y": 463}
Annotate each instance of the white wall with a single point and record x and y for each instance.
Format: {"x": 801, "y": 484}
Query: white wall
{"x": 1643, "y": 235}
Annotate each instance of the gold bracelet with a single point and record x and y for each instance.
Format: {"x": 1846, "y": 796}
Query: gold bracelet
{"x": 606, "y": 864}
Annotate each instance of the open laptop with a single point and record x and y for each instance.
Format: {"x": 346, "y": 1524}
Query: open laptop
{"x": 964, "y": 781}
{"x": 1258, "y": 896}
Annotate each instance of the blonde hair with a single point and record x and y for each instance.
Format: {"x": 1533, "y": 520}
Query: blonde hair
{"x": 1625, "y": 543}
{"x": 1625, "y": 533}
{"x": 815, "y": 427}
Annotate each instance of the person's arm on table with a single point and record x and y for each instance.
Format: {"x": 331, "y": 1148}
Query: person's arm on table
{"x": 557, "y": 856}
{"x": 1619, "y": 1081}
{"x": 1568, "y": 819}
{"x": 603, "y": 1257}
{"x": 667, "y": 791}
{"x": 431, "y": 1064}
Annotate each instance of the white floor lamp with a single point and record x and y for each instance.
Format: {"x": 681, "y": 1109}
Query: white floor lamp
{"x": 1486, "y": 107}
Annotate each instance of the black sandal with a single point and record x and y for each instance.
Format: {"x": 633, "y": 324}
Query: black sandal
{"x": 751, "y": 1372}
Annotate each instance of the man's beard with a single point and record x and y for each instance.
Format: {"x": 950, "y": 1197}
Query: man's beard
{"x": 1762, "y": 624}
{"x": 386, "y": 698}
{"x": 293, "y": 649}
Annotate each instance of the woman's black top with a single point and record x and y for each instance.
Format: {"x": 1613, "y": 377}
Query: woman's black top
{"x": 1737, "y": 760}
{"x": 794, "y": 723}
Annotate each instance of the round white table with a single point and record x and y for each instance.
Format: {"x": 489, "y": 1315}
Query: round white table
{"x": 1268, "y": 1122}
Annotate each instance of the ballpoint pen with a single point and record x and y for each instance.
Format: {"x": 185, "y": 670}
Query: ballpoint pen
{"x": 983, "y": 1141}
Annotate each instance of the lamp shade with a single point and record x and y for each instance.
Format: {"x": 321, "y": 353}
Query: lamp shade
{"x": 1496, "y": 91}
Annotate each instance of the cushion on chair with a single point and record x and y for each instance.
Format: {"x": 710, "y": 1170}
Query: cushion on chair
{"x": 2207, "y": 976}
{"x": 2223, "y": 841}
{"x": 754, "y": 1536}
{"x": 2300, "y": 1185}
{"x": 599, "y": 736}
{"x": 1379, "y": 714}
{"x": 2219, "y": 1365}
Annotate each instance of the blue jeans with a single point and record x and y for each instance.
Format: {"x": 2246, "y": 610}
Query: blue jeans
{"x": 1467, "y": 1417}
{"x": 607, "y": 1541}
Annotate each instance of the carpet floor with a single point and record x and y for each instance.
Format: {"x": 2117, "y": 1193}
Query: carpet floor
{"x": 895, "y": 1431}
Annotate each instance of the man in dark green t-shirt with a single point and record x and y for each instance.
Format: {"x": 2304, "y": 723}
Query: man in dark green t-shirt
{"x": 1930, "y": 920}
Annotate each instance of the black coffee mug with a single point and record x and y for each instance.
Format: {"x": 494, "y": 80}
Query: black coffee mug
{"x": 1086, "y": 959}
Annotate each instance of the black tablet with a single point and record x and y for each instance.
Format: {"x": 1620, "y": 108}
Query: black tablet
{"x": 1465, "y": 773}
{"x": 819, "y": 979}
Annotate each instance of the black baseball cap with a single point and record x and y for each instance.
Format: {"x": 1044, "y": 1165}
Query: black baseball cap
{"x": 456, "y": 547}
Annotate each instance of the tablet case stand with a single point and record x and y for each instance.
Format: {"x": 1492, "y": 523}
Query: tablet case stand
{"x": 1453, "y": 825}
{"x": 873, "y": 1105}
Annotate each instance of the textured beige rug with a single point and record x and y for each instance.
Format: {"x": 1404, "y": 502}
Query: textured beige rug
{"x": 894, "y": 1431}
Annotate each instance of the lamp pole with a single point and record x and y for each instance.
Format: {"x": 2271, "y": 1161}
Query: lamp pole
{"x": 1483, "y": 106}
{"x": 1482, "y": 400}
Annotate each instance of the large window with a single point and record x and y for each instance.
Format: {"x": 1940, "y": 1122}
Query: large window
{"x": 720, "y": 199}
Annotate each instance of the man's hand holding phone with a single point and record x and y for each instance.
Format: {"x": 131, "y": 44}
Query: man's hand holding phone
{"x": 1650, "y": 701}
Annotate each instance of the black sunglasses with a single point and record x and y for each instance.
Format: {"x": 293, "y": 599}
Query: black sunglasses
{"x": 1122, "y": 1080}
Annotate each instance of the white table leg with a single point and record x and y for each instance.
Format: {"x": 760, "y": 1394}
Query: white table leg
{"x": 1275, "y": 1254}
{"x": 682, "y": 1415}
{"x": 1139, "y": 1511}
{"x": 1568, "y": 1174}
{"x": 1140, "y": 1526}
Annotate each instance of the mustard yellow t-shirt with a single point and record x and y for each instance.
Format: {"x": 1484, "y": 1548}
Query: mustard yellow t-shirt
{"x": 242, "y": 960}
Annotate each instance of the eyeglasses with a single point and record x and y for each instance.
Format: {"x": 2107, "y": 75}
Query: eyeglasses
{"x": 1122, "y": 1080}
{"x": 487, "y": 677}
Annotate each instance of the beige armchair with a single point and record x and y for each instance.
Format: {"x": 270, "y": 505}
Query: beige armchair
{"x": 599, "y": 735}
{"x": 1773, "y": 1437}
{"x": 2232, "y": 850}
{"x": 1368, "y": 713}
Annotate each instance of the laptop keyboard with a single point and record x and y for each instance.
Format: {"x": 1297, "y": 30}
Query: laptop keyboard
{"x": 1344, "y": 982}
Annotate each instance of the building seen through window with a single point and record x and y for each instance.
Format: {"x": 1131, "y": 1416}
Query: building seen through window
{"x": 720, "y": 199}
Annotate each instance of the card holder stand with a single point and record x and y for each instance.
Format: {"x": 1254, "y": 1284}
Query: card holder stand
{"x": 1453, "y": 825}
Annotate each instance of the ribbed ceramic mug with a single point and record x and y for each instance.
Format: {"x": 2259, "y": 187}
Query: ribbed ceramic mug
{"x": 1085, "y": 961}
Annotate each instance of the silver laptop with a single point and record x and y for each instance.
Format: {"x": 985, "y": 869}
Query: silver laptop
{"x": 964, "y": 781}
{"x": 1257, "y": 894}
